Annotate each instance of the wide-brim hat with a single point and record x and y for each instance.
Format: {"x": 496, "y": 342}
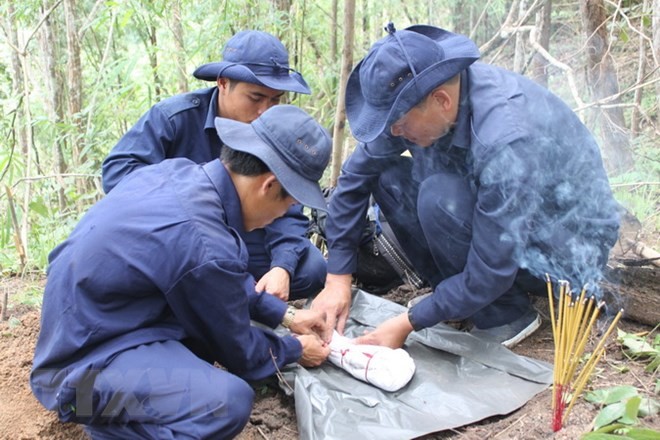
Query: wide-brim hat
{"x": 399, "y": 71}
{"x": 291, "y": 144}
{"x": 255, "y": 57}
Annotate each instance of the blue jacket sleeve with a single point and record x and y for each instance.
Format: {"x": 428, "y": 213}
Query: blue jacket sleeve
{"x": 220, "y": 317}
{"x": 285, "y": 239}
{"x": 350, "y": 200}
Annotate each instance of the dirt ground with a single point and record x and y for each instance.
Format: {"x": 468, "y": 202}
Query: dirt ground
{"x": 22, "y": 417}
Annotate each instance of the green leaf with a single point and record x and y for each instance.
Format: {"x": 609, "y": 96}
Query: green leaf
{"x": 609, "y": 414}
{"x": 637, "y": 345}
{"x": 653, "y": 366}
{"x": 632, "y": 408}
{"x": 38, "y": 207}
{"x": 601, "y": 436}
{"x": 611, "y": 395}
{"x": 612, "y": 428}
{"x": 643, "y": 434}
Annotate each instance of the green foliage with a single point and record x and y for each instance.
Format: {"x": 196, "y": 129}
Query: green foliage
{"x": 30, "y": 297}
{"x": 640, "y": 348}
{"x": 120, "y": 84}
{"x": 639, "y": 189}
{"x": 622, "y": 409}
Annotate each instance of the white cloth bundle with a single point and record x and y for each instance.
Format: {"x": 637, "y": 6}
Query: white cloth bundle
{"x": 383, "y": 367}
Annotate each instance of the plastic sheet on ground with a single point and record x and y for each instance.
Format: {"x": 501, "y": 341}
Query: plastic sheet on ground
{"x": 459, "y": 380}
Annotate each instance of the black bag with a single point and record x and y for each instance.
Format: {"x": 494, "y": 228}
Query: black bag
{"x": 381, "y": 263}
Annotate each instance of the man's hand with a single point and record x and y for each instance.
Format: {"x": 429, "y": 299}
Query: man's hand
{"x": 309, "y": 322}
{"x": 276, "y": 282}
{"x": 391, "y": 333}
{"x": 335, "y": 301}
{"x": 315, "y": 351}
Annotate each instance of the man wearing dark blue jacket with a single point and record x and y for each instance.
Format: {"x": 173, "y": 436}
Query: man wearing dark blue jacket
{"x": 152, "y": 287}
{"x": 252, "y": 77}
{"x": 502, "y": 184}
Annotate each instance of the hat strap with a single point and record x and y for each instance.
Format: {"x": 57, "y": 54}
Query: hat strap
{"x": 392, "y": 31}
{"x": 263, "y": 68}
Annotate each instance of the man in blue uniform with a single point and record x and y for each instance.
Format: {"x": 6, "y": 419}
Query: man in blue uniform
{"x": 502, "y": 185}
{"x": 151, "y": 288}
{"x": 252, "y": 77}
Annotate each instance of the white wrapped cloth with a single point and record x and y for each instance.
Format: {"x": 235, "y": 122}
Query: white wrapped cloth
{"x": 386, "y": 368}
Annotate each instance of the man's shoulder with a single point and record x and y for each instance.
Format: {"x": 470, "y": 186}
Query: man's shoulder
{"x": 198, "y": 99}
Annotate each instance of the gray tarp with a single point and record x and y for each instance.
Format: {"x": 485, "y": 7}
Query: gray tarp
{"x": 459, "y": 379}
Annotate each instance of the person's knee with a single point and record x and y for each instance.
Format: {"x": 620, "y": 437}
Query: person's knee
{"x": 242, "y": 398}
{"x": 446, "y": 200}
{"x": 310, "y": 275}
{"x": 231, "y": 412}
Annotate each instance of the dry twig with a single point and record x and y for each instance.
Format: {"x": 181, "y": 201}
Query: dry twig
{"x": 280, "y": 376}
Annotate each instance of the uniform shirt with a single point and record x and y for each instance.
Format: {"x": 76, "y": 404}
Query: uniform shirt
{"x": 183, "y": 126}
{"x": 159, "y": 258}
{"x": 543, "y": 199}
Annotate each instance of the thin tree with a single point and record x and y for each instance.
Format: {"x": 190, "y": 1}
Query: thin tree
{"x": 656, "y": 49}
{"x": 543, "y": 24}
{"x": 74, "y": 89}
{"x": 604, "y": 84}
{"x": 19, "y": 138}
{"x": 179, "y": 48}
{"x": 340, "y": 113}
{"x": 635, "y": 118}
{"x": 333, "y": 30}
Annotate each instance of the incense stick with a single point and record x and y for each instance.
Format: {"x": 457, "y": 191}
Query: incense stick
{"x": 572, "y": 325}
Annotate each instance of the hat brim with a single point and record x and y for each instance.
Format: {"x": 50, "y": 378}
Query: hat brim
{"x": 242, "y": 137}
{"x": 291, "y": 82}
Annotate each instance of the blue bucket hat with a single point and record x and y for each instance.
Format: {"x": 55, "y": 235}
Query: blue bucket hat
{"x": 291, "y": 143}
{"x": 399, "y": 71}
{"x": 255, "y": 57}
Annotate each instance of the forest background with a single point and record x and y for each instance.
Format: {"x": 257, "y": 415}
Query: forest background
{"x": 76, "y": 74}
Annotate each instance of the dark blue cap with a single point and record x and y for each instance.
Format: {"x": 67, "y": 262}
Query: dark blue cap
{"x": 399, "y": 71}
{"x": 255, "y": 57}
{"x": 291, "y": 143}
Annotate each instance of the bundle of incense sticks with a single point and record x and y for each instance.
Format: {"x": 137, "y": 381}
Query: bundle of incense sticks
{"x": 571, "y": 328}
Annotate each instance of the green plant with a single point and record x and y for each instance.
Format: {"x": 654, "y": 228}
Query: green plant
{"x": 619, "y": 417}
{"x": 638, "y": 347}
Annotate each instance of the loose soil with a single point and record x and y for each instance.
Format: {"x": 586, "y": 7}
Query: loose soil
{"x": 273, "y": 417}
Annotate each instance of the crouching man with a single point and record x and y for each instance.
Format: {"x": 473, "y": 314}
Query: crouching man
{"x": 152, "y": 287}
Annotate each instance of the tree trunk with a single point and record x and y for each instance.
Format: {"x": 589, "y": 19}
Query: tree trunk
{"x": 635, "y": 290}
{"x": 17, "y": 85}
{"x": 635, "y": 119}
{"x": 543, "y": 24}
{"x": 340, "y": 113}
{"x": 334, "y": 30}
{"x": 656, "y": 48}
{"x": 460, "y": 19}
{"x": 55, "y": 85}
{"x": 152, "y": 50}
{"x": 74, "y": 87}
{"x": 519, "y": 52}
{"x": 603, "y": 83}
{"x": 283, "y": 8}
{"x": 179, "y": 48}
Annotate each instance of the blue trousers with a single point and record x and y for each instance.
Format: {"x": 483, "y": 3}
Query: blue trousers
{"x": 163, "y": 391}
{"x": 435, "y": 233}
{"x": 309, "y": 276}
